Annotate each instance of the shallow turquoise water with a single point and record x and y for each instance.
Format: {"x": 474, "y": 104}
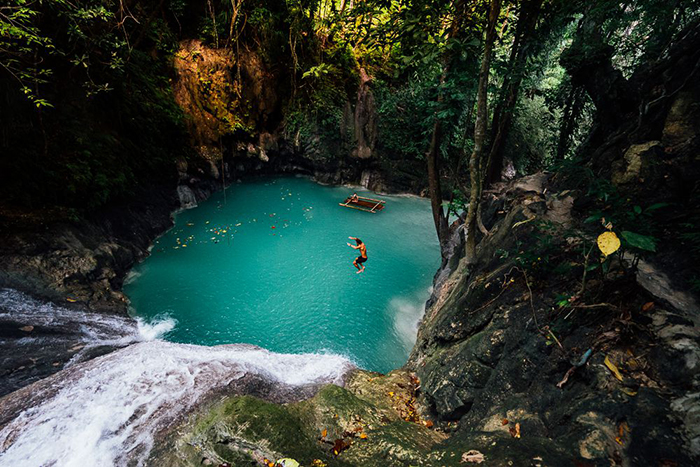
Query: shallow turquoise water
{"x": 270, "y": 266}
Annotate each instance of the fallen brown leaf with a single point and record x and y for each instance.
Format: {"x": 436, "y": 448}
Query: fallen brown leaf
{"x": 611, "y": 366}
{"x": 339, "y": 446}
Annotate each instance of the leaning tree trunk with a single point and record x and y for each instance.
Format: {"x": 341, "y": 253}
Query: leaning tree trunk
{"x": 480, "y": 133}
{"x": 434, "y": 187}
{"x": 503, "y": 114}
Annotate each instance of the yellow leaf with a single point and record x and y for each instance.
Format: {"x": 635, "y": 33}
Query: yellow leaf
{"x": 324, "y": 433}
{"x": 608, "y": 243}
{"x": 363, "y": 435}
{"x": 611, "y": 366}
{"x": 628, "y": 391}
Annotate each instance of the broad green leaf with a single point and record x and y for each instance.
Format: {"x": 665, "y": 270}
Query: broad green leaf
{"x": 656, "y": 206}
{"x": 643, "y": 242}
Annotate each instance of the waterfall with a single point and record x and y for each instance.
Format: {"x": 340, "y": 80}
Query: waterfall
{"x": 187, "y": 198}
{"x": 110, "y": 410}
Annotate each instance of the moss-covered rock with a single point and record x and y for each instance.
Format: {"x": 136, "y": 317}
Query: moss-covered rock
{"x": 372, "y": 421}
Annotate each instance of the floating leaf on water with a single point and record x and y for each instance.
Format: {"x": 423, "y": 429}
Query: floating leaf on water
{"x": 608, "y": 243}
{"x": 648, "y": 306}
{"x": 611, "y": 366}
{"x": 473, "y": 456}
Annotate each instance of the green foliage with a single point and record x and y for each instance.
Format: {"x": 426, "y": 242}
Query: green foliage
{"x": 405, "y": 118}
{"x": 641, "y": 242}
{"x": 106, "y": 119}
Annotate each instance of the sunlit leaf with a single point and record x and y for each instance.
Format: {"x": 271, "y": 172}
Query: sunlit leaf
{"x": 608, "y": 243}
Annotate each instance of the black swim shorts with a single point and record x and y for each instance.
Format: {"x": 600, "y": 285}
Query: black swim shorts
{"x": 360, "y": 259}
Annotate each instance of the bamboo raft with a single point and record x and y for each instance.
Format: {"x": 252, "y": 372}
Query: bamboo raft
{"x": 364, "y": 204}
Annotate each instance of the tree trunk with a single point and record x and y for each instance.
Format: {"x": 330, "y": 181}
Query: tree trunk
{"x": 503, "y": 114}
{"x": 572, "y": 110}
{"x": 433, "y": 154}
{"x": 589, "y": 63}
{"x": 439, "y": 216}
{"x": 475, "y": 174}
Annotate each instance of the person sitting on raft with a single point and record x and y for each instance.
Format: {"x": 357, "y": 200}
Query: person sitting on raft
{"x": 354, "y": 199}
{"x": 363, "y": 254}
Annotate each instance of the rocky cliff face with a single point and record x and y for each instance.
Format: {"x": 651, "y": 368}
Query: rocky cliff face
{"x": 235, "y": 104}
{"x": 517, "y": 374}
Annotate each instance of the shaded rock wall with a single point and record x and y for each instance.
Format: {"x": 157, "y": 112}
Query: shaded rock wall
{"x": 497, "y": 348}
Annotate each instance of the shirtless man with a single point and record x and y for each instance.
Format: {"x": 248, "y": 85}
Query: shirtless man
{"x": 363, "y": 254}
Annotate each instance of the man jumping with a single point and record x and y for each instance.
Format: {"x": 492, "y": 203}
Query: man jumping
{"x": 363, "y": 254}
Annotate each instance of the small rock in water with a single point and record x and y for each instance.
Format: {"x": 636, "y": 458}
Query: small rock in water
{"x": 26, "y": 328}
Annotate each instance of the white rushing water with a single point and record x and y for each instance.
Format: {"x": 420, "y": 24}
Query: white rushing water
{"x": 90, "y": 330}
{"x": 106, "y": 411}
{"x": 407, "y": 314}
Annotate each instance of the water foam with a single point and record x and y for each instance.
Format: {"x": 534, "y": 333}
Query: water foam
{"x": 75, "y": 326}
{"x": 407, "y": 313}
{"x": 156, "y": 328}
{"x": 107, "y": 411}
